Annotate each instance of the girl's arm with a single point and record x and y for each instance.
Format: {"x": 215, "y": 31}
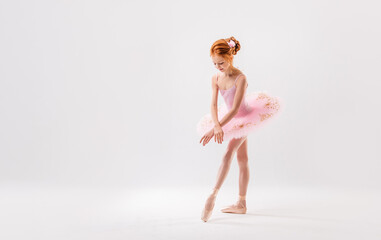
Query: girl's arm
{"x": 213, "y": 107}
{"x": 240, "y": 92}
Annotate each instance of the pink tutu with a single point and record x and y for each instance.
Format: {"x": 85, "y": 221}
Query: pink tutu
{"x": 255, "y": 110}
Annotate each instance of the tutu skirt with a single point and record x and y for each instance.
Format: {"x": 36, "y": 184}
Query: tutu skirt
{"x": 262, "y": 108}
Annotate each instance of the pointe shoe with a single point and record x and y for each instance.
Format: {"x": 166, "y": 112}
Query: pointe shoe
{"x": 238, "y": 208}
{"x": 207, "y": 213}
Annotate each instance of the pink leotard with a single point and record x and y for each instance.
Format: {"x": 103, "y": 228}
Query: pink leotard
{"x": 228, "y": 96}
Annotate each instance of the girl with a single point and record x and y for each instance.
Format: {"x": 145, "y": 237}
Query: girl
{"x": 232, "y": 121}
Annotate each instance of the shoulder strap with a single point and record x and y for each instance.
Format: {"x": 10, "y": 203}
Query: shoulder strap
{"x": 237, "y": 78}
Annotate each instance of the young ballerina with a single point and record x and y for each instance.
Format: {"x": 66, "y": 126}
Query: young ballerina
{"x": 232, "y": 121}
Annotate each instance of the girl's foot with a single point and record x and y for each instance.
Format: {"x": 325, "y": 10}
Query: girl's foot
{"x": 239, "y": 207}
{"x": 209, "y": 205}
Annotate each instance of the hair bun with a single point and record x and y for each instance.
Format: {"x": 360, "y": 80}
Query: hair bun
{"x": 225, "y": 47}
{"x": 237, "y": 45}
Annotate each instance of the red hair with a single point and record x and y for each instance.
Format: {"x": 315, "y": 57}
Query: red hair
{"x": 222, "y": 48}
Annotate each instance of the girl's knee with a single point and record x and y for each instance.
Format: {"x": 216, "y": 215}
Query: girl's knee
{"x": 228, "y": 155}
{"x": 242, "y": 158}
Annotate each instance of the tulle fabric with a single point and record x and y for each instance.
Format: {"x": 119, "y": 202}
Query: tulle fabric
{"x": 262, "y": 107}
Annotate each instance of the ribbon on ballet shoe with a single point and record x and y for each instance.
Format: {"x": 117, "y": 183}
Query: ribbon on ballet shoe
{"x": 242, "y": 197}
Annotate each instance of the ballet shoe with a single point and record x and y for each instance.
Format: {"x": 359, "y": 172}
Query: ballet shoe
{"x": 234, "y": 209}
{"x": 238, "y": 207}
{"x": 207, "y": 213}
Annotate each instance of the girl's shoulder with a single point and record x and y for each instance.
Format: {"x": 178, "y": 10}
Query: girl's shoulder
{"x": 240, "y": 73}
{"x": 244, "y": 79}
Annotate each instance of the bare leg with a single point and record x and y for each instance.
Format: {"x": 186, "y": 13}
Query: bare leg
{"x": 244, "y": 174}
{"x": 232, "y": 147}
{"x": 242, "y": 158}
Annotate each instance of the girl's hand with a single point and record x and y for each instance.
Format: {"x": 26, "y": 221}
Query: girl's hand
{"x": 218, "y": 134}
{"x": 207, "y": 137}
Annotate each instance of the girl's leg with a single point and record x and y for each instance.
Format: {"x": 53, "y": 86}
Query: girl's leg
{"x": 244, "y": 174}
{"x": 232, "y": 147}
{"x": 240, "y": 205}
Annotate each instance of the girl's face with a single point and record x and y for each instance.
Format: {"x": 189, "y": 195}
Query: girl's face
{"x": 220, "y": 63}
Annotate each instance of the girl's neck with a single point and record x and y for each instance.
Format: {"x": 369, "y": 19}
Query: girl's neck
{"x": 230, "y": 72}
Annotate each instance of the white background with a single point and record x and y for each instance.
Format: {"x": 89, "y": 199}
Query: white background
{"x": 107, "y": 94}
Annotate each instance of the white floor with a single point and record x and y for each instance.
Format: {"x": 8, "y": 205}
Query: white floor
{"x": 31, "y": 212}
